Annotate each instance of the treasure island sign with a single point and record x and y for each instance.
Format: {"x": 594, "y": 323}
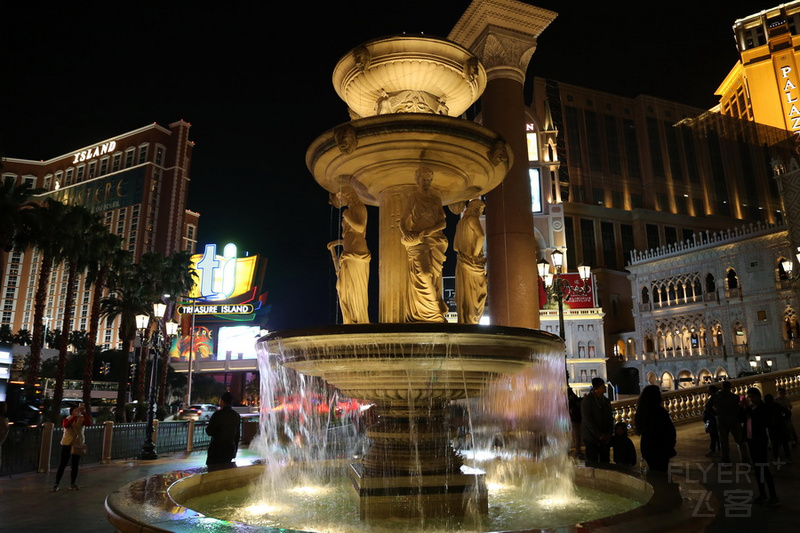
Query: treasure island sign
{"x": 224, "y": 283}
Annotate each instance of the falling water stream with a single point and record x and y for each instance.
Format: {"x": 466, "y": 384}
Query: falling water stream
{"x": 516, "y": 432}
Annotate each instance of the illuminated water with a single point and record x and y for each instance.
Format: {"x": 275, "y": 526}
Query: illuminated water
{"x": 331, "y": 508}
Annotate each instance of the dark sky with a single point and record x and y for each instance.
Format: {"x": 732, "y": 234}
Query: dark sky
{"x": 254, "y": 80}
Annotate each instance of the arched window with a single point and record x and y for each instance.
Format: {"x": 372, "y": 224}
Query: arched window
{"x": 698, "y": 289}
{"x": 672, "y": 298}
{"x": 656, "y": 295}
{"x": 731, "y": 279}
{"x": 739, "y": 335}
{"x": 645, "y": 295}
{"x": 681, "y": 295}
{"x": 711, "y": 285}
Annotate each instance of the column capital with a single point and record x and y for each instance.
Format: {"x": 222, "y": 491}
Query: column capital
{"x": 503, "y": 34}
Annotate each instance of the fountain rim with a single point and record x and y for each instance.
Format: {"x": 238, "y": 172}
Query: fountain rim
{"x": 166, "y": 508}
{"x": 412, "y": 328}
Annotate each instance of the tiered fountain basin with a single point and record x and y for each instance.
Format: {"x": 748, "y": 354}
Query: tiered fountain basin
{"x": 411, "y": 372}
{"x": 466, "y": 158}
{"x": 187, "y": 501}
{"x": 428, "y": 67}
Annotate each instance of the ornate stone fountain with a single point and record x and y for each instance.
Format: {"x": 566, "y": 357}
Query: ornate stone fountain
{"x": 406, "y": 152}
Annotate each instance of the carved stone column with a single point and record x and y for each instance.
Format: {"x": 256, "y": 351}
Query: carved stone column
{"x": 393, "y": 267}
{"x": 503, "y": 33}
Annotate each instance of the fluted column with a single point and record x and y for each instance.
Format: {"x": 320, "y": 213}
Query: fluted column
{"x": 503, "y": 33}
{"x": 393, "y": 267}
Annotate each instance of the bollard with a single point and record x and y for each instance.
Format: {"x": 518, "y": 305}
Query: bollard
{"x": 45, "y": 448}
{"x": 108, "y": 433}
{"x": 155, "y": 430}
{"x": 190, "y": 437}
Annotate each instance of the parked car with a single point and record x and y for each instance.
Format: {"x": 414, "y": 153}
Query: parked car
{"x": 200, "y": 411}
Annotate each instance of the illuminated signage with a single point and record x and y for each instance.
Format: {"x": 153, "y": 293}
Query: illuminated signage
{"x": 91, "y": 153}
{"x": 235, "y": 309}
{"x": 572, "y": 300}
{"x": 787, "y": 78}
{"x": 221, "y": 277}
{"x": 104, "y": 193}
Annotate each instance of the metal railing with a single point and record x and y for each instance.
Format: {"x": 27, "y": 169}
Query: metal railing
{"x": 686, "y": 405}
{"x": 20, "y": 451}
{"x": 38, "y": 448}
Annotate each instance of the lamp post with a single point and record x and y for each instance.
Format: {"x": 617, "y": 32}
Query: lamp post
{"x": 558, "y": 287}
{"x": 788, "y": 266}
{"x": 153, "y": 340}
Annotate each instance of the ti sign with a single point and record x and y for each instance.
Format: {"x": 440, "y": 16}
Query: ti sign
{"x": 222, "y": 277}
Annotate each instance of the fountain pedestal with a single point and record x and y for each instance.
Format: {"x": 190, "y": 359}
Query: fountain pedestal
{"x": 411, "y": 470}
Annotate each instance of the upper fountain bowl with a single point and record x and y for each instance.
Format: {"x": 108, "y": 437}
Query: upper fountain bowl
{"x": 409, "y": 74}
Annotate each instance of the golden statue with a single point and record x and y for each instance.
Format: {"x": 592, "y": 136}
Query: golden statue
{"x": 352, "y": 264}
{"x": 471, "y": 266}
{"x": 421, "y": 229}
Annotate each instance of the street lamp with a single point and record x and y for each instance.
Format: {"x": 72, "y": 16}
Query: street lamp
{"x": 788, "y": 266}
{"x": 558, "y": 287}
{"x": 158, "y": 344}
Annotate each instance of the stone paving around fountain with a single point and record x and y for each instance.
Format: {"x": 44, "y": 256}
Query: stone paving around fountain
{"x": 27, "y": 506}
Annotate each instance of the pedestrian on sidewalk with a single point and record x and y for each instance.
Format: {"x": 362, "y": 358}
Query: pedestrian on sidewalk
{"x": 597, "y": 423}
{"x": 224, "y": 430}
{"x": 621, "y": 443}
{"x": 776, "y": 429}
{"x": 574, "y": 405}
{"x": 730, "y": 413}
{"x": 757, "y": 437}
{"x": 656, "y": 428}
{"x": 784, "y": 401}
{"x": 72, "y": 444}
{"x": 710, "y": 420}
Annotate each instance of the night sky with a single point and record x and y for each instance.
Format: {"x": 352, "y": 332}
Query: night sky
{"x": 254, "y": 80}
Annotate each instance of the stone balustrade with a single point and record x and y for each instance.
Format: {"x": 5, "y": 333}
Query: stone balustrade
{"x": 686, "y": 405}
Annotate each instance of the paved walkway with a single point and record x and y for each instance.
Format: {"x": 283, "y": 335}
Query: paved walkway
{"x": 27, "y": 506}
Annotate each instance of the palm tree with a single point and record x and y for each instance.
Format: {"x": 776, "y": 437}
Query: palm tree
{"x": 125, "y": 300}
{"x": 43, "y": 231}
{"x": 76, "y": 228}
{"x": 17, "y": 210}
{"x": 178, "y": 280}
{"x": 106, "y": 251}
{"x": 23, "y": 337}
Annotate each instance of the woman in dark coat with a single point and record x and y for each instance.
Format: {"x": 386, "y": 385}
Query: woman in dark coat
{"x": 656, "y": 428}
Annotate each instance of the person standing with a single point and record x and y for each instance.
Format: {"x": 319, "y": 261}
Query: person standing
{"x": 574, "y": 406}
{"x": 757, "y": 438}
{"x": 710, "y": 419}
{"x": 621, "y": 443}
{"x": 224, "y": 430}
{"x": 656, "y": 428}
{"x": 597, "y": 423}
{"x": 729, "y": 422}
{"x": 783, "y": 401}
{"x": 776, "y": 429}
{"x": 72, "y": 444}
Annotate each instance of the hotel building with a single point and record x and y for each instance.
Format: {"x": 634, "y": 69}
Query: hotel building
{"x": 137, "y": 182}
{"x": 611, "y": 174}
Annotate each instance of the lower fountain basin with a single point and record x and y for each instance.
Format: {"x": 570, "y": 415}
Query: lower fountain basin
{"x": 169, "y": 502}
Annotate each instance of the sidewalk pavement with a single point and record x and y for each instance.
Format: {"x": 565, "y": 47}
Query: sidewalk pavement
{"x": 28, "y": 506}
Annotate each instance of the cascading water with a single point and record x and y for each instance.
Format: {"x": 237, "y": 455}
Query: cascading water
{"x": 513, "y": 436}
